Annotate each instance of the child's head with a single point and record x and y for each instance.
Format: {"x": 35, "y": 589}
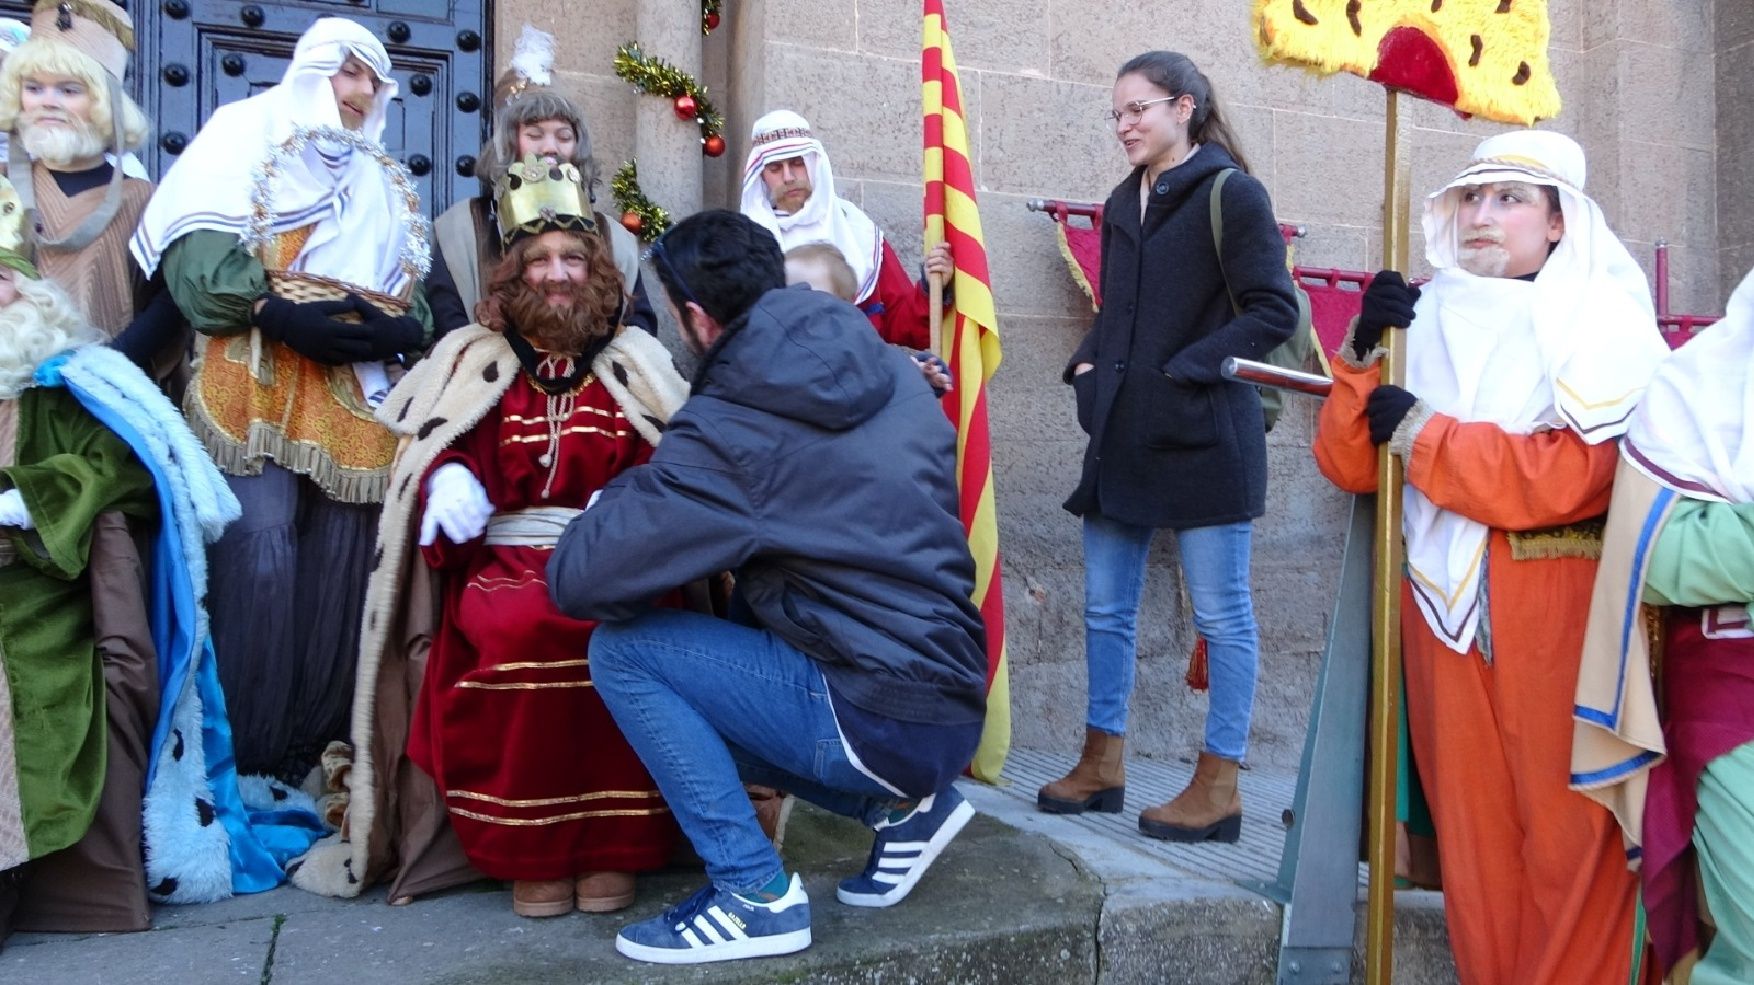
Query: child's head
{"x": 822, "y": 267}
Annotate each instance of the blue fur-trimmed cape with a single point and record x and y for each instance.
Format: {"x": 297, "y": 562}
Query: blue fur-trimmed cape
{"x": 192, "y": 779}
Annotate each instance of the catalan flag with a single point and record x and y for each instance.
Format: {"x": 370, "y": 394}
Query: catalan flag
{"x": 971, "y": 343}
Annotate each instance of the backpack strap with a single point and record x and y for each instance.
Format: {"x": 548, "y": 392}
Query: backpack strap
{"x": 1215, "y": 209}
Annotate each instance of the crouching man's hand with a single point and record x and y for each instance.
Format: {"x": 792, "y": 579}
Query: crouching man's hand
{"x": 936, "y": 371}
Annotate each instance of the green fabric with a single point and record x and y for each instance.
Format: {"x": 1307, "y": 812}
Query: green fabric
{"x": 19, "y": 262}
{"x": 70, "y": 468}
{"x": 1296, "y": 353}
{"x": 215, "y": 283}
{"x": 1705, "y": 556}
{"x": 1723, "y": 835}
{"x": 1411, "y": 807}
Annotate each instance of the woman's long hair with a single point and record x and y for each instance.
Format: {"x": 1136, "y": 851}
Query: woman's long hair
{"x": 1176, "y": 74}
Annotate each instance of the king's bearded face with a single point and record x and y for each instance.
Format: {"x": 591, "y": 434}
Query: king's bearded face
{"x": 54, "y": 120}
{"x": 37, "y": 321}
{"x": 554, "y": 302}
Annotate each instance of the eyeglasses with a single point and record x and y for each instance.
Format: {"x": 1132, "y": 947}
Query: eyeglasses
{"x": 1133, "y": 111}
{"x": 655, "y": 254}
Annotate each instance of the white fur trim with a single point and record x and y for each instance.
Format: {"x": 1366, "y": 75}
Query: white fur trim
{"x": 178, "y": 846}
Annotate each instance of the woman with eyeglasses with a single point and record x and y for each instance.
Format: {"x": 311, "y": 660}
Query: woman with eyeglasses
{"x": 1173, "y": 445}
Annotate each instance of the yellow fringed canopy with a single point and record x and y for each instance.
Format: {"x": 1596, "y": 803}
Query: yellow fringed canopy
{"x": 1484, "y": 58}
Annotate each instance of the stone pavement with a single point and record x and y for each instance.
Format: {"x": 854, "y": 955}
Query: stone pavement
{"x": 1021, "y": 897}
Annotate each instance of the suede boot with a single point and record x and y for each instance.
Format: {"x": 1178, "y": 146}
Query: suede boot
{"x": 1210, "y": 809}
{"x": 543, "y": 897}
{"x": 603, "y": 892}
{"x": 1097, "y": 783}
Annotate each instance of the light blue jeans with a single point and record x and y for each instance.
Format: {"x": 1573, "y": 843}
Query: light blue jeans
{"x": 1215, "y": 565}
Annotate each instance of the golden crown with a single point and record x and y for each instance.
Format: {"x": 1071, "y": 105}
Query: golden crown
{"x": 536, "y": 197}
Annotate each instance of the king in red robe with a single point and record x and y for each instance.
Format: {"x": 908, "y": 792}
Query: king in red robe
{"x": 510, "y": 426}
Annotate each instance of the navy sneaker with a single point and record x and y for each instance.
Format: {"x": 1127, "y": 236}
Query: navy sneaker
{"x": 905, "y": 849}
{"x": 713, "y": 925}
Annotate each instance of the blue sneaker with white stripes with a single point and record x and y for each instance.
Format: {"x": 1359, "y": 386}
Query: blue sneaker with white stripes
{"x": 714, "y": 925}
{"x": 905, "y": 849}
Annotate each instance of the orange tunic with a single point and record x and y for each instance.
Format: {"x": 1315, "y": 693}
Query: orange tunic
{"x": 1536, "y": 885}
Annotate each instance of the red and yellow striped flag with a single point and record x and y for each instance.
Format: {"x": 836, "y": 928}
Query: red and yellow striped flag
{"x": 971, "y": 341}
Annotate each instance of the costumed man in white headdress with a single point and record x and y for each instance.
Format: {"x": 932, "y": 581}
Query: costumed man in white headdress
{"x": 512, "y": 425}
{"x": 788, "y": 187}
{"x": 1674, "y": 755}
{"x": 1525, "y": 356}
{"x": 106, "y": 679}
{"x": 293, "y": 243}
{"x": 68, "y": 120}
{"x": 529, "y": 118}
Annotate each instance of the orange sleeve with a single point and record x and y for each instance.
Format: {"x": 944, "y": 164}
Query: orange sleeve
{"x": 1511, "y": 481}
{"x": 1342, "y": 442}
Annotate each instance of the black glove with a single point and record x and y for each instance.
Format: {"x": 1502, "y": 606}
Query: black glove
{"x": 1386, "y": 407}
{"x": 311, "y": 330}
{"x": 392, "y": 335}
{"x": 1388, "y": 302}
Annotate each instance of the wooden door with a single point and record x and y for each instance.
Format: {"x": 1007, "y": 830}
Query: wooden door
{"x": 195, "y": 55}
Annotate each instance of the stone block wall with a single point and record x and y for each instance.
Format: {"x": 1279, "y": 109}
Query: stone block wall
{"x": 1735, "y": 140}
{"x": 1641, "y": 79}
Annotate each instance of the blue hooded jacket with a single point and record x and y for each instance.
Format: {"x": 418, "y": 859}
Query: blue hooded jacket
{"x": 814, "y": 462}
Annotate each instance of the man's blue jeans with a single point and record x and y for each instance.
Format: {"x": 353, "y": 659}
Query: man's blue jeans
{"x": 709, "y": 705}
{"x": 1215, "y": 566}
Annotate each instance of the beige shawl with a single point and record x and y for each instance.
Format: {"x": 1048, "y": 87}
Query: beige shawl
{"x": 1617, "y": 735}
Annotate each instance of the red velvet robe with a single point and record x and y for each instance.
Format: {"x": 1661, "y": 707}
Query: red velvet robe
{"x": 539, "y": 782}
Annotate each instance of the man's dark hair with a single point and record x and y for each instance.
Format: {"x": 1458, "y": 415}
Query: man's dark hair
{"x": 721, "y": 260}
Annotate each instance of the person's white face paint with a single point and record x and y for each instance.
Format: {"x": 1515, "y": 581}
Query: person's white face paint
{"x": 1507, "y": 229}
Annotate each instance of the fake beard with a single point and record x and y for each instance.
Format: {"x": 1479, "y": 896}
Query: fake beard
{"x": 566, "y": 329}
{"x": 58, "y": 145}
{"x": 41, "y": 323}
{"x": 1489, "y": 260}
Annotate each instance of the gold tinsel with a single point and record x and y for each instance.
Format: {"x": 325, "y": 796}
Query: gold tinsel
{"x": 628, "y": 197}
{"x": 656, "y": 77}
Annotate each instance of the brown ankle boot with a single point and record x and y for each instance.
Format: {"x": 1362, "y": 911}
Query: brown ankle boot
{"x": 1210, "y": 809}
{"x": 1097, "y": 783}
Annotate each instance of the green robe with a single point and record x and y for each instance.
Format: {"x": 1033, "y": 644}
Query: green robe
{"x": 215, "y": 283}
{"x": 69, "y": 468}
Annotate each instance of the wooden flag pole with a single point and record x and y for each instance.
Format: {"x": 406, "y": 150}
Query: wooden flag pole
{"x": 1385, "y": 623}
{"x": 935, "y": 307}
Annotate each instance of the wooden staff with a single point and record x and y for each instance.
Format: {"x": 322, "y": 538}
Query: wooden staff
{"x": 935, "y": 312}
{"x": 1385, "y": 621}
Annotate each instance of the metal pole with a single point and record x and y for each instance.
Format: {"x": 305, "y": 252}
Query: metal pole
{"x": 1662, "y": 278}
{"x": 1267, "y": 374}
{"x": 1379, "y": 940}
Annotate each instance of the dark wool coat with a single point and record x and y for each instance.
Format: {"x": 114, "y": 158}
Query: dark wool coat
{"x": 1173, "y": 444}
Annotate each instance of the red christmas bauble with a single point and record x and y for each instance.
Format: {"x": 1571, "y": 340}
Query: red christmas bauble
{"x": 712, "y": 21}
{"x": 631, "y": 221}
{"x": 713, "y": 145}
{"x": 685, "y": 107}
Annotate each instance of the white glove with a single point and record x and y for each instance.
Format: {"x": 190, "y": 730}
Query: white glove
{"x": 12, "y": 511}
{"x": 455, "y": 503}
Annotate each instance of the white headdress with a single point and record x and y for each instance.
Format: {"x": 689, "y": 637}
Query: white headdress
{"x": 1574, "y": 348}
{"x": 347, "y": 194}
{"x": 825, "y": 217}
{"x": 1694, "y": 430}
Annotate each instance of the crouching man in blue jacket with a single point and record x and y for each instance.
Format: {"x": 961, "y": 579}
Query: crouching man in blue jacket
{"x": 814, "y": 463}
